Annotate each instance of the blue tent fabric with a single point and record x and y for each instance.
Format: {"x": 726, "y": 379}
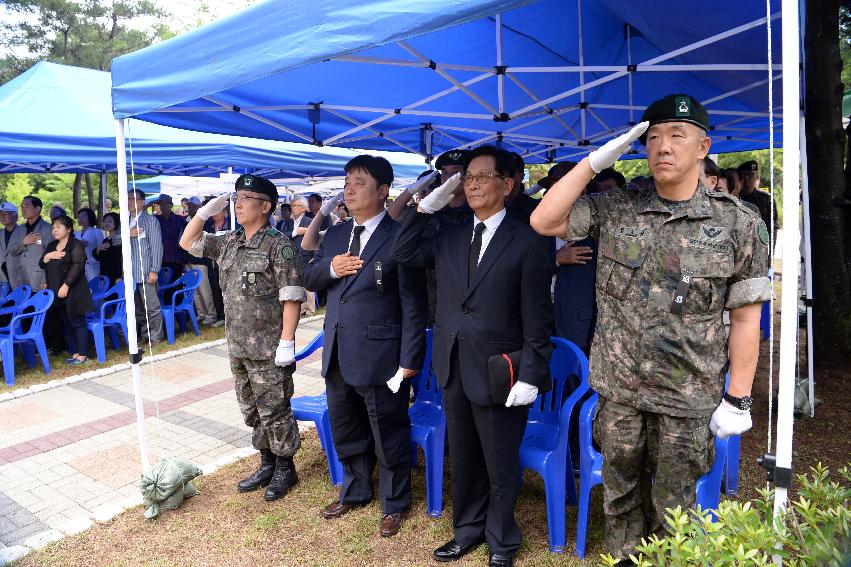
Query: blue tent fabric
{"x": 56, "y": 118}
{"x": 333, "y": 65}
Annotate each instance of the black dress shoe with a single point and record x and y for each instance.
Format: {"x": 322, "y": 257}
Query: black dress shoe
{"x": 497, "y": 560}
{"x": 452, "y": 550}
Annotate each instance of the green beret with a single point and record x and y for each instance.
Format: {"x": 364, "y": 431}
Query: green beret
{"x": 675, "y": 108}
{"x": 257, "y": 184}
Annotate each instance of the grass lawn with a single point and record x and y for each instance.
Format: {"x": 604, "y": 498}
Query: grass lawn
{"x": 26, "y": 376}
{"x": 221, "y": 527}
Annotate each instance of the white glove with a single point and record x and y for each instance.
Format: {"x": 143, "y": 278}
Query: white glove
{"x": 421, "y": 183}
{"x": 395, "y": 382}
{"x": 521, "y": 394}
{"x": 441, "y": 196}
{"x": 728, "y": 420}
{"x": 285, "y": 353}
{"x": 607, "y": 155}
{"x": 331, "y": 204}
{"x": 218, "y": 204}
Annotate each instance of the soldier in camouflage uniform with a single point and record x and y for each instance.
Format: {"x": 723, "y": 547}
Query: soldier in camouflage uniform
{"x": 672, "y": 257}
{"x": 262, "y": 290}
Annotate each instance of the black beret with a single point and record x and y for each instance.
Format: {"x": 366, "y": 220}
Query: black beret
{"x": 257, "y": 184}
{"x": 748, "y": 166}
{"x": 452, "y": 157}
{"x": 675, "y": 108}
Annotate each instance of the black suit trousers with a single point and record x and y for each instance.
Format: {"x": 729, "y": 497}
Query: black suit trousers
{"x": 370, "y": 423}
{"x": 484, "y": 457}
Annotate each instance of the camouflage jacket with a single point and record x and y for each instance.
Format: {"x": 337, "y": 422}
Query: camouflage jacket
{"x": 651, "y": 351}
{"x": 256, "y": 277}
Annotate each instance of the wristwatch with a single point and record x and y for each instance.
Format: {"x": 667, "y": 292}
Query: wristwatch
{"x": 743, "y": 403}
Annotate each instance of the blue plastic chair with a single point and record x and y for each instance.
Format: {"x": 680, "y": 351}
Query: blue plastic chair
{"x": 545, "y": 444}
{"x": 10, "y": 304}
{"x": 164, "y": 277}
{"x": 33, "y": 310}
{"x": 707, "y": 488}
{"x": 315, "y": 409}
{"x": 765, "y": 314}
{"x": 98, "y": 285}
{"x": 110, "y": 317}
{"x": 182, "y": 304}
{"x": 731, "y": 463}
{"x": 428, "y": 430}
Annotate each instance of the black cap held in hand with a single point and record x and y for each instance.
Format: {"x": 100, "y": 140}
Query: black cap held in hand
{"x": 675, "y": 108}
{"x": 257, "y": 184}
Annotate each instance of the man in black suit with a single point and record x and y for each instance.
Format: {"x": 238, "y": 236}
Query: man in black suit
{"x": 374, "y": 340}
{"x": 493, "y": 297}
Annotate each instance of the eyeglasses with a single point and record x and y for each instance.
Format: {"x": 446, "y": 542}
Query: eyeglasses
{"x": 242, "y": 197}
{"x": 481, "y": 178}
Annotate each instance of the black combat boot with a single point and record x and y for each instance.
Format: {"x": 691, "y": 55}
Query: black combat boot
{"x": 285, "y": 478}
{"x": 262, "y": 476}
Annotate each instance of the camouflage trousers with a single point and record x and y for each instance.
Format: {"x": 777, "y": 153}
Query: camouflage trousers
{"x": 651, "y": 462}
{"x": 263, "y": 391}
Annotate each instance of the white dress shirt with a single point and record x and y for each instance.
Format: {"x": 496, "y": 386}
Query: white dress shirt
{"x": 369, "y": 227}
{"x": 491, "y": 224}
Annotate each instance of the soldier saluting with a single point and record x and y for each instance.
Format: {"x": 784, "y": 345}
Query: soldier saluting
{"x": 261, "y": 286}
{"x": 672, "y": 257}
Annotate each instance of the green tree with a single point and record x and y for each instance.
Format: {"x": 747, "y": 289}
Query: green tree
{"x": 17, "y": 187}
{"x": 86, "y": 33}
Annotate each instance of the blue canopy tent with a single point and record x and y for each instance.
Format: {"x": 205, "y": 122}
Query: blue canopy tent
{"x": 550, "y": 79}
{"x": 55, "y": 118}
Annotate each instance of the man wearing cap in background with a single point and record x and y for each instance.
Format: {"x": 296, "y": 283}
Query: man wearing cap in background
{"x": 191, "y": 207}
{"x": 749, "y": 173}
{"x": 672, "y": 258}
{"x": 12, "y": 236}
{"x": 261, "y": 283}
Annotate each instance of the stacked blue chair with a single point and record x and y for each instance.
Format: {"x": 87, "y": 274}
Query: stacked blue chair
{"x": 428, "y": 430}
{"x": 110, "y": 317}
{"x": 11, "y": 303}
{"x": 315, "y": 409}
{"x": 707, "y": 489}
{"x": 98, "y": 285}
{"x": 182, "y": 303}
{"x": 545, "y": 444}
{"x": 33, "y": 310}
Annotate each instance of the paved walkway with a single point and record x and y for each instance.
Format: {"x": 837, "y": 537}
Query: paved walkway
{"x": 71, "y": 452}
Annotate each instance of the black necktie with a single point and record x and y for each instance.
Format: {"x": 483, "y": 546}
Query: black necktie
{"x": 475, "y": 250}
{"x": 355, "y": 247}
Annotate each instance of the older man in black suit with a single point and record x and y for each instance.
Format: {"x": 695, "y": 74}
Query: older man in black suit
{"x": 374, "y": 340}
{"x": 493, "y": 297}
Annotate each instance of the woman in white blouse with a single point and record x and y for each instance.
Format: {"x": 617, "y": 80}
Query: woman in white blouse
{"x": 92, "y": 237}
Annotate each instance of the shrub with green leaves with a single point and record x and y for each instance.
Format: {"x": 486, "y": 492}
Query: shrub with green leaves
{"x": 814, "y": 530}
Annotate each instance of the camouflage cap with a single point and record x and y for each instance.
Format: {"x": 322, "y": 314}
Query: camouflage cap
{"x": 675, "y": 108}
{"x": 257, "y": 184}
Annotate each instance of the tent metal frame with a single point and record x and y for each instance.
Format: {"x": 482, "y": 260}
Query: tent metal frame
{"x": 537, "y": 111}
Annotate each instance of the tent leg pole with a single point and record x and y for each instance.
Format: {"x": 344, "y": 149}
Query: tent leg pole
{"x": 790, "y": 247}
{"x": 129, "y": 291}
{"x": 808, "y": 269}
